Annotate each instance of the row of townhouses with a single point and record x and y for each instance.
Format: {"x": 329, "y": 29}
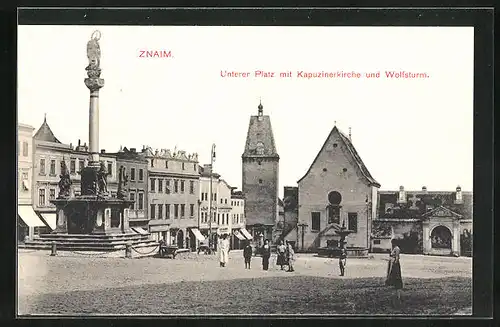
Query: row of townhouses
{"x": 169, "y": 189}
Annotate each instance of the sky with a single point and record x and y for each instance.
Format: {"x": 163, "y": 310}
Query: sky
{"x": 410, "y": 132}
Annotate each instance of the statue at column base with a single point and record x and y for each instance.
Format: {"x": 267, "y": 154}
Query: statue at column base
{"x": 89, "y": 181}
{"x": 122, "y": 184}
{"x": 64, "y": 182}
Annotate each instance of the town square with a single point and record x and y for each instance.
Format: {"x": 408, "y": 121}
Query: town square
{"x": 138, "y": 229}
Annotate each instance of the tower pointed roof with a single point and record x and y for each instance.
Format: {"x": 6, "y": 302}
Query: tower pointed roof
{"x": 260, "y": 138}
{"x": 44, "y": 133}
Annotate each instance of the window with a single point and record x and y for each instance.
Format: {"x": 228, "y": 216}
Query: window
{"x": 141, "y": 175}
{"x": 132, "y": 198}
{"x": 218, "y": 218}
{"x": 160, "y": 185}
{"x": 191, "y": 187}
{"x": 132, "y": 174}
{"x": 194, "y": 167}
{"x": 41, "y": 197}
{"x": 110, "y": 168}
{"x": 52, "y": 194}
{"x": 183, "y": 166}
{"x": 182, "y": 186}
{"x": 221, "y": 201}
{"x": 152, "y": 162}
{"x": 167, "y": 186}
{"x": 81, "y": 165}
{"x": 191, "y": 210}
{"x": 152, "y": 211}
{"x": 166, "y": 163}
{"x": 215, "y": 196}
{"x": 334, "y": 214}
{"x": 72, "y": 166}
{"x": 152, "y": 182}
{"x": 140, "y": 203}
{"x": 176, "y": 186}
{"x": 160, "y": 211}
{"x": 25, "y": 149}
{"x": 183, "y": 210}
{"x": 260, "y": 181}
{"x": 376, "y": 242}
{"x": 52, "y": 167}
{"x": 42, "y": 166}
{"x": 213, "y": 217}
{"x": 167, "y": 211}
{"x": 176, "y": 211}
{"x": 352, "y": 221}
{"x": 225, "y": 201}
{"x": 315, "y": 221}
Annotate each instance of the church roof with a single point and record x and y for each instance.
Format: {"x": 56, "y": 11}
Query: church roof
{"x": 44, "y": 133}
{"x": 260, "y": 131}
{"x": 352, "y": 151}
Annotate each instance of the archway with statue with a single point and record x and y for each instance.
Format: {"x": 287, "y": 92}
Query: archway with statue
{"x": 441, "y": 238}
{"x": 441, "y": 232}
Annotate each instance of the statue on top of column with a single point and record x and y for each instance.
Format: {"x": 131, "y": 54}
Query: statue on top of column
{"x": 64, "y": 182}
{"x": 94, "y": 55}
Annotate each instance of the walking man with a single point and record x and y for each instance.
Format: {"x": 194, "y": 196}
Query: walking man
{"x": 247, "y": 254}
{"x": 223, "y": 250}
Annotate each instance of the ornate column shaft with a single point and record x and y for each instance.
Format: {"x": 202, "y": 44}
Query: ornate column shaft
{"x": 94, "y": 83}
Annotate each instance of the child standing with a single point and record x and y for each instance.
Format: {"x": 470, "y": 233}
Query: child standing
{"x": 342, "y": 260}
{"x": 247, "y": 254}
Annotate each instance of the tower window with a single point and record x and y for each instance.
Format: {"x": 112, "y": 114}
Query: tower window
{"x": 324, "y": 169}
{"x": 335, "y": 145}
{"x": 260, "y": 181}
{"x": 344, "y": 170}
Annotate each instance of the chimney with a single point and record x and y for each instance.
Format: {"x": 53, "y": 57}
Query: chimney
{"x": 133, "y": 150}
{"x": 402, "y": 195}
{"x": 121, "y": 149}
{"x": 424, "y": 189}
{"x": 71, "y": 146}
{"x": 103, "y": 151}
{"x": 79, "y": 142}
{"x": 350, "y": 134}
{"x": 458, "y": 195}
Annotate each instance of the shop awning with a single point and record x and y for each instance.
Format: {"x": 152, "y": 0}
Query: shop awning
{"x": 29, "y": 216}
{"x": 246, "y": 233}
{"x": 197, "y": 234}
{"x": 239, "y": 236}
{"x": 139, "y": 230}
{"x": 50, "y": 219}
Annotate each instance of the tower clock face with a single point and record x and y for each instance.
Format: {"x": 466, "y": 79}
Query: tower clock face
{"x": 334, "y": 198}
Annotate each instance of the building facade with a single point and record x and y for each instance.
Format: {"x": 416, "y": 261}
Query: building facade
{"x": 260, "y": 171}
{"x": 136, "y": 168}
{"x": 173, "y": 191}
{"x": 337, "y": 190}
{"x": 29, "y": 223}
{"x": 290, "y": 214}
{"x": 238, "y": 220}
{"x": 49, "y": 153}
{"x": 428, "y": 222}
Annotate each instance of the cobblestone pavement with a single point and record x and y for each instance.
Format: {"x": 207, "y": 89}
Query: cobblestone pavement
{"x": 195, "y": 284}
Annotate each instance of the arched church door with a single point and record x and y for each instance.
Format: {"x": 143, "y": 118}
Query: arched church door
{"x": 441, "y": 238}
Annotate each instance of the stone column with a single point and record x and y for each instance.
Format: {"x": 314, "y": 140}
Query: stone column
{"x": 94, "y": 83}
{"x": 455, "y": 243}
{"x": 425, "y": 238}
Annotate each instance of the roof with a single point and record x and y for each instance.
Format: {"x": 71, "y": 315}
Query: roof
{"x": 382, "y": 230}
{"x": 357, "y": 159}
{"x": 260, "y": 131}
{"x": 44, "y": 133}
{"x": 424, "y": 201}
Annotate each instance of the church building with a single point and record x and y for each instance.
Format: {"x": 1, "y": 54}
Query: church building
{"x": 260, "y": 164}
{"x": 337, "y": 190}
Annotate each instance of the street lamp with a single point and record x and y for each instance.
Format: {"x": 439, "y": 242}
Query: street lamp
{"x": 303, "y": 226}
{"x": 212, "y": 159}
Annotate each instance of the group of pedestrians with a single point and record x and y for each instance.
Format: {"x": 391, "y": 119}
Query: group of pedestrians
{"x": 285, "y": 255}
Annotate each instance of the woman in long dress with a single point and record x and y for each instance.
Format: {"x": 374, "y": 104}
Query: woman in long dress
{"x": 266, "y": 254}
{"x": 281, "y": 261}
{"x": 394, "y": 277}
{"x": 290, "y": 256}
{"x": 223, "y": 250}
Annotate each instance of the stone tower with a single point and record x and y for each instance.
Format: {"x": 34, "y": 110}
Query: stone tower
{"x": 260, "y": 163}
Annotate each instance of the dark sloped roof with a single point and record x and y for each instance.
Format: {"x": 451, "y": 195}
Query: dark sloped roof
{"x": 260, "y": 131}
{"x": 381, "y": 230}
{"x": 357, "y": 159}
{"x": 44, "y": 133}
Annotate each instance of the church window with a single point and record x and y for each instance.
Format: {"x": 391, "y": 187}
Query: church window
{"x": 335, "y": 145}
{"x": 315, "y": 221}
{"x": 260, "y": 181}
{"x": 352, "y": 221}
{"x": 344, "y": 170}
{"x": 334, "y": 198}
{"x": 334, "y": 214}
{"x": 324, "y": 169}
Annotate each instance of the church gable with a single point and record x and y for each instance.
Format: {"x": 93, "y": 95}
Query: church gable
{"x": 336, "y": 145}
{"x": 441, "y": 212}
